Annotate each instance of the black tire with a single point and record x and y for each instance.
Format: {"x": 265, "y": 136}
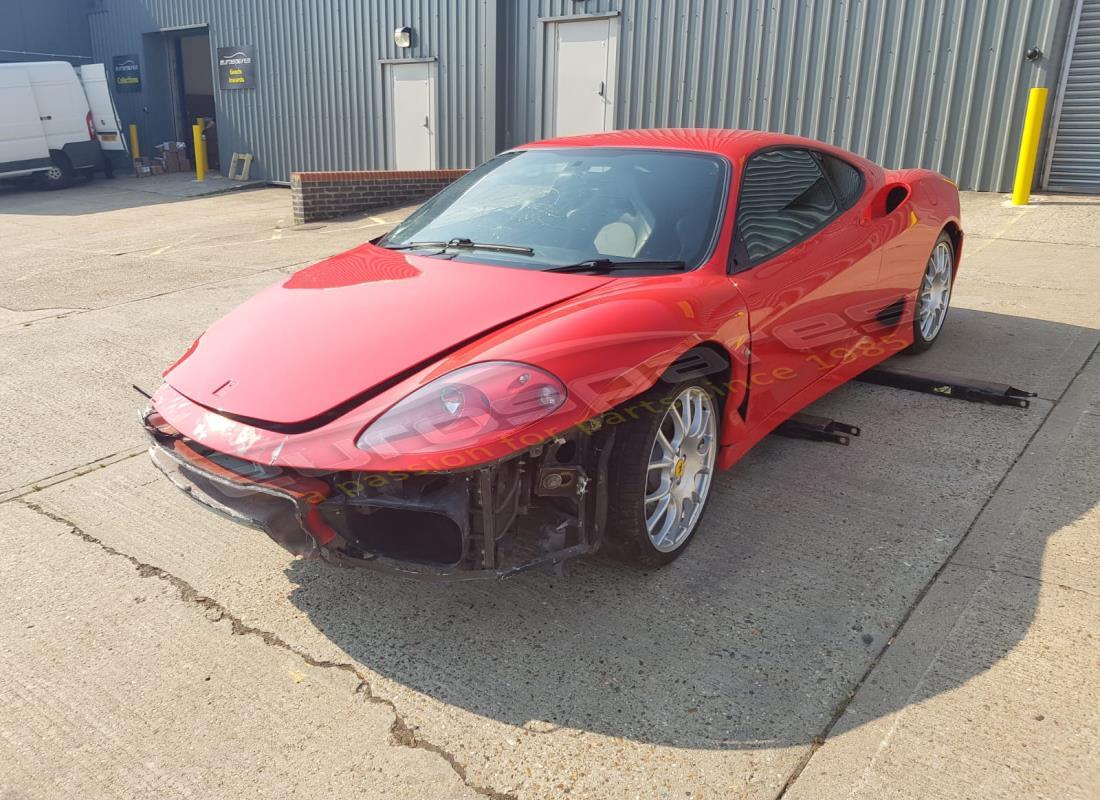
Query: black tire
{"x": 922, "y": 341}
{"x": 628, "y": 537}
{"x": 59, "y": 176}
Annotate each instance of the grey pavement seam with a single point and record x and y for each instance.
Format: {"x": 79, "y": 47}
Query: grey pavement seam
{"x": 69, "y": 474}
{"x": 1022, "y": 576}
{"x": 1028, "y": 241}
{"x": 845, "y": 702}
{"x": 78, "y": 312}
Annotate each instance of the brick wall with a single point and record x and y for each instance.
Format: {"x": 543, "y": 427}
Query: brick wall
{"x": 322, "y": 195}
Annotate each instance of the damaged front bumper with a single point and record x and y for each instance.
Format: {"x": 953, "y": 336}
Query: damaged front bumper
{"x": 535, "y": 509}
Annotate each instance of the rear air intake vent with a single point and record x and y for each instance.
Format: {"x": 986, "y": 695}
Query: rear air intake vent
{"x": 896, "y": 197}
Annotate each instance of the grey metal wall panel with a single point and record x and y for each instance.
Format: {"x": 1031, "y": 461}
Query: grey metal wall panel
{"x": 1075, "y": 155}
{"x": 940, "y": 84}
{"x": 318, "y": 102}
{"x": 40, "y": 30}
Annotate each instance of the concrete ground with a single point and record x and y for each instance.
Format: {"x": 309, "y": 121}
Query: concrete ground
{"x": 179, "y": 184}
{"x": 915, "y": 615}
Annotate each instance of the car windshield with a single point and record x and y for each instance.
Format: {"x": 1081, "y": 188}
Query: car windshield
{"x": 575, "y": 205}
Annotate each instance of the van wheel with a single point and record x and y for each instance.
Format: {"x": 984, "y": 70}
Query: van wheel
{"x": 59, "y": 175}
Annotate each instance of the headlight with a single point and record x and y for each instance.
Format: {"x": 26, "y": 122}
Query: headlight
{"x": 463, "y": 407}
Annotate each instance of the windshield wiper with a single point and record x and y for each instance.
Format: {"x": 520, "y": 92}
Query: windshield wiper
{"x": 465, "y": 244}
{"x": 607, "y": 265}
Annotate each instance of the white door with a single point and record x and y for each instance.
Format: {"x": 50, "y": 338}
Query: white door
{"x": 582, "y": 76}
{"x": 412, "y": 115}
{"x": 104, "y": 116}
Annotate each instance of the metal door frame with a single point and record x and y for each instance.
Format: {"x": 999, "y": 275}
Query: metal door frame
{"x": 547, "y": 62}
{"x": 390, "y": 111}
{"x": 181, "y": 125}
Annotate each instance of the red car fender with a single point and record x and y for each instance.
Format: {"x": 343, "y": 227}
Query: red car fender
{"x": 614, "y": 343}
{"x": 931, "y": 207}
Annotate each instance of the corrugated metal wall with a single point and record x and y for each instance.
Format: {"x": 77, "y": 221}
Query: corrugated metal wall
{"x": 940, "y": 84}
{"x": 318, "y": 102}
{"x": 933, "y": 83}
{"x": 43, "y": 30}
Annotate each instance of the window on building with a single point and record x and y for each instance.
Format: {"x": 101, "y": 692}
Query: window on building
{"x": 784, "y": 199}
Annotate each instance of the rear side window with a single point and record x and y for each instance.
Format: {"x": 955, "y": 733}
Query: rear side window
{"x": 784, "y": 199}
{"x": 847, "y": 180}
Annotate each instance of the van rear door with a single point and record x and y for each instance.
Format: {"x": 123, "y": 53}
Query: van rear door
{"x": 108, "y": 128}
{"x": 22, "y": 140}
{"x": 62, "y": 106}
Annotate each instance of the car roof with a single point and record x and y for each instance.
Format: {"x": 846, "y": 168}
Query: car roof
{"x": 733, "y": 143}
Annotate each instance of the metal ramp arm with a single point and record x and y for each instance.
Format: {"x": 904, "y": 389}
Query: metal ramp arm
{"x": 974, "y": 391}
{"x": 816, "y": 429}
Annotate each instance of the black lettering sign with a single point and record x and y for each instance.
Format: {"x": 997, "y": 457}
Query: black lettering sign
{"x": 237, "y": 67}
{"x": 127, "y": 73}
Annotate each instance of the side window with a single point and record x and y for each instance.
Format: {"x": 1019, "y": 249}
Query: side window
{"x": 847, "y": 180}
{"x": 784, "y": 198}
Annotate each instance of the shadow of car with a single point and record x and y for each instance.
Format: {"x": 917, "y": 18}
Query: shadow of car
{"x": 810, "y": 558}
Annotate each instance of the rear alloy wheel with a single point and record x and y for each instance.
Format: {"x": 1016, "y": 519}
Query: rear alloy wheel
{"x": 661, "y": 473}
{"x": 934, "y": 295}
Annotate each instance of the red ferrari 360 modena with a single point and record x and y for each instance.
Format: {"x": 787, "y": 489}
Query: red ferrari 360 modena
{"x": 557, "y": 352}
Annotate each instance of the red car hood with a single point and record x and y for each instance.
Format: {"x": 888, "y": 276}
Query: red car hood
{"x": 341, "y": 327}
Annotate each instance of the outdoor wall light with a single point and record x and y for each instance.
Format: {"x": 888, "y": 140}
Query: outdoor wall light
{"x": 403, "y": 37}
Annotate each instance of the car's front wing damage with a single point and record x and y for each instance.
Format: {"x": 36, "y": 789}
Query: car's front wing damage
{"x": 537, "y": 508}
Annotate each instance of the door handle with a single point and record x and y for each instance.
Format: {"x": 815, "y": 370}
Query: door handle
{"x": 426, "y": 125}
{"x": 601, "y": 89}
{"x": 48, "y": 116}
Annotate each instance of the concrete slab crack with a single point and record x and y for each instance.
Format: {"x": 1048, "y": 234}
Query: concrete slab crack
{"x": 401, "y": 733}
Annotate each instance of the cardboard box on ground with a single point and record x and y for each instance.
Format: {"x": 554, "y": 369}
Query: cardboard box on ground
{"x": 170, "y": 157}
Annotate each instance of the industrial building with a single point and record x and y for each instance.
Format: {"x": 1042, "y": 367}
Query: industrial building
{"x": 418, "y": 84}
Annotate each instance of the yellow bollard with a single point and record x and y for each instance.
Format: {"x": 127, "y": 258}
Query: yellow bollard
{"x": 135, "y": 150}
{"x": 1029, "y": 146}
{"x": 200, "y": 153}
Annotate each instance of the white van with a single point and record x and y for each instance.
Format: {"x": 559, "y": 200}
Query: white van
{"x": 55, "y": 122}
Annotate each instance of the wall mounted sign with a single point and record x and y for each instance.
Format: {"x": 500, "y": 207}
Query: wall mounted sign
{"x": 126, "y": 71}
{"x": 236, "y": 67}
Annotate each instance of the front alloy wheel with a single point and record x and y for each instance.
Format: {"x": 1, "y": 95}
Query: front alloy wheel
{"x": 681, "y": 465}
{"x": 661, "y": 472}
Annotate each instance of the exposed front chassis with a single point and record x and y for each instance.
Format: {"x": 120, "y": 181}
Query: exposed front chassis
{"x": 538, "y": 508}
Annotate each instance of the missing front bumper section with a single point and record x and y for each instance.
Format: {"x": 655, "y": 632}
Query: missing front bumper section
{"x": 490, "y": 522}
